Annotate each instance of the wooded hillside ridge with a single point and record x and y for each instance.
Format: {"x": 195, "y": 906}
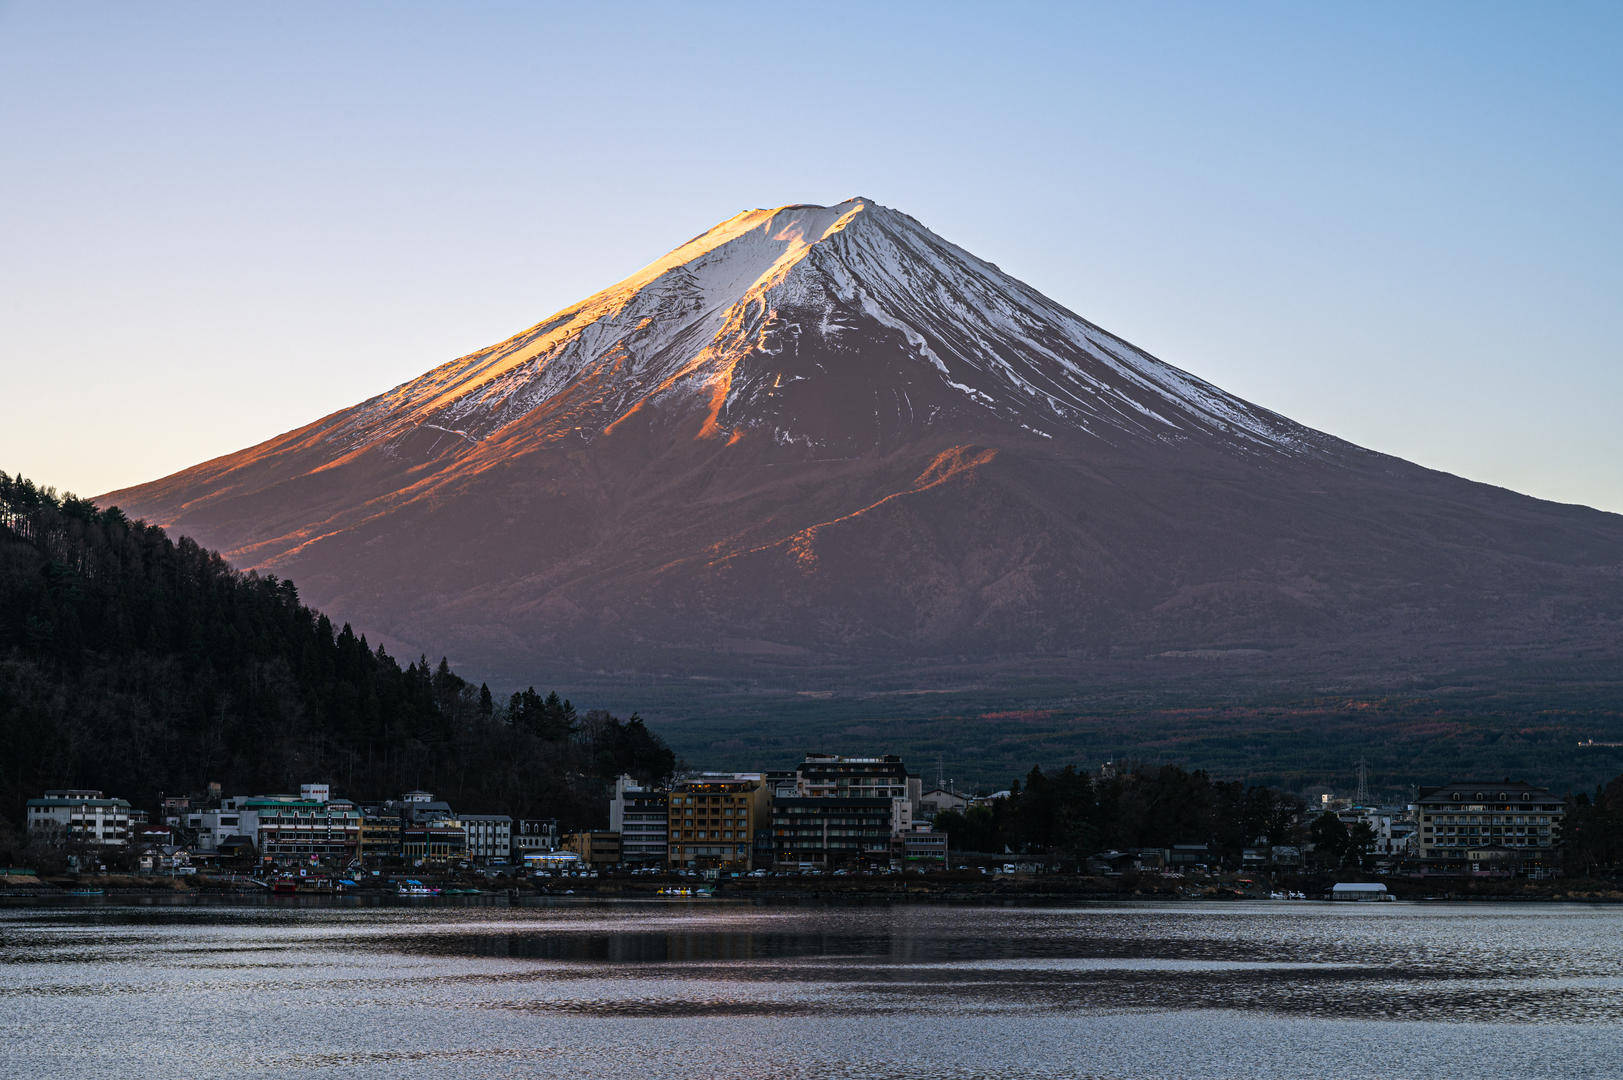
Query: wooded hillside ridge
{"x": 143, "y": 665}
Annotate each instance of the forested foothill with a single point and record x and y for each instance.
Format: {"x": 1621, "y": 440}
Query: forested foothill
{"x": 142, "y": 665}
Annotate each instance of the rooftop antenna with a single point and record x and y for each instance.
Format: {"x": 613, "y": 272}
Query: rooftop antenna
{"x": 1362, "y": 798}
{"x": 940, "y": 773}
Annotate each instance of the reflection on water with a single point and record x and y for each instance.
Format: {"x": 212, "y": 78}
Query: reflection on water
{"x": 631, "y": 990}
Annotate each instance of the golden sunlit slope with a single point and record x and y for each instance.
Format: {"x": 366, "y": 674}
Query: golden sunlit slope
{"x": 820, "y": 433}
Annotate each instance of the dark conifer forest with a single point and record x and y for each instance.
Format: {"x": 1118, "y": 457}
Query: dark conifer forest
{"x": 1069, "y": 814}
{"x": 142, "y": 665}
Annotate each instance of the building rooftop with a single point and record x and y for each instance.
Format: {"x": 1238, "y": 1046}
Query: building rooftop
{"x": 1485, "y": 791}
{"x": 63, "y": 798}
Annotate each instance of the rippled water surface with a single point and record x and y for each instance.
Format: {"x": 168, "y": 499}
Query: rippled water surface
{"x": 714, "y": 990}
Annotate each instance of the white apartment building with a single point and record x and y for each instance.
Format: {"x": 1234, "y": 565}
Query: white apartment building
{"x": 1394, "y": 828}
{"x": 219, "y": 823}
{"x": 641, "y": 816}
{"x": 80, "y": 816}
{"x": 490, "y": 837}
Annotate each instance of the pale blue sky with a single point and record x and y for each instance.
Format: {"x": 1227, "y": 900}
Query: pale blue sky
{"x": 1399, "y": 223}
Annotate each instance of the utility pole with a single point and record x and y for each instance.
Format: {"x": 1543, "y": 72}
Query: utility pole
{"x": 1362, "y": 798}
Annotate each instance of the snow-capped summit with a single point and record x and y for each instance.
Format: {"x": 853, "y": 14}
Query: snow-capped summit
{"x": 907, "y": 328}
{"x": 814, "y": 438}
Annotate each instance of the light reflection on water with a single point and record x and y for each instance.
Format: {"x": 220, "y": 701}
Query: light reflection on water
{"x": 632, "y": 990}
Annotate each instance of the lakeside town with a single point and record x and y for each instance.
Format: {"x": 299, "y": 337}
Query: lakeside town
{"x": 867, "y": 820}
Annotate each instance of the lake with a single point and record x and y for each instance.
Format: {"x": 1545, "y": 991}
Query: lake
{"x": 712, "y": 989}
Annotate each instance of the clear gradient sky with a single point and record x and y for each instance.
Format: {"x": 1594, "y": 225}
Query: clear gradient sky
{"x": 1399, "y": 223}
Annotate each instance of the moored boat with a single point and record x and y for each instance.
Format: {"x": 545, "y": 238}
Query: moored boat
{"x": 1358, "y": 891}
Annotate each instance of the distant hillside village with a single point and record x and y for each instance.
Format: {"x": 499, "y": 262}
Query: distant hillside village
{"x": 829, "y": 815}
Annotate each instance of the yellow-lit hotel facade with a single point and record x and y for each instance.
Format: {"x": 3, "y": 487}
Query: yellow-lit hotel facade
{"x": 713, "y": 821}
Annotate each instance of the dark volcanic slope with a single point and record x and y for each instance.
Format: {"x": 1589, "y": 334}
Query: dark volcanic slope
{"x": 818, "y": 436}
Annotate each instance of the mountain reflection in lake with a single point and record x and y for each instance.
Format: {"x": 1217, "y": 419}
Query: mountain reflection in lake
{"x": 710, "y": 989}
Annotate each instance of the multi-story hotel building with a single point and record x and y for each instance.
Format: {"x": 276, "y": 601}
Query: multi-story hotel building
{"x": 433, "y": 840}
{"x": 1476, "y": 822}
{"x": 79, "y": 816}
{"x": 597, "y": 848}
{"x": 430, "y": 831}
{"x": 286, "y": 829}
{"x": 534, "y": 836}
{"x": 712, "y": 821}
{"x": 822, "y": 832}
{"x": 641, "y": 816}
{"x": 214, "y": 825}
{"x": 380, "y": 836}
{"x": 490, "y": 837}
{"x": 923, "y": 846}
{"x": 833, "y": 776}
{"x": 843, "y": 810}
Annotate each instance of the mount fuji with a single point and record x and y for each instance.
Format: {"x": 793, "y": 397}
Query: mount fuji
{"x": 822, "y": 439}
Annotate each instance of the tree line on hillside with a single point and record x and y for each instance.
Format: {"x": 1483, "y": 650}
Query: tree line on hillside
{"x": 1072, "y": 814}
{"x": 1592, "y": 832}
{"x": 143, "y": 665}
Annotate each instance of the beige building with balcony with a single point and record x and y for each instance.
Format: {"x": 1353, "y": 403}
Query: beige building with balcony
{"x": 712, "y": 821}
{"x": 1476, "y": 823}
